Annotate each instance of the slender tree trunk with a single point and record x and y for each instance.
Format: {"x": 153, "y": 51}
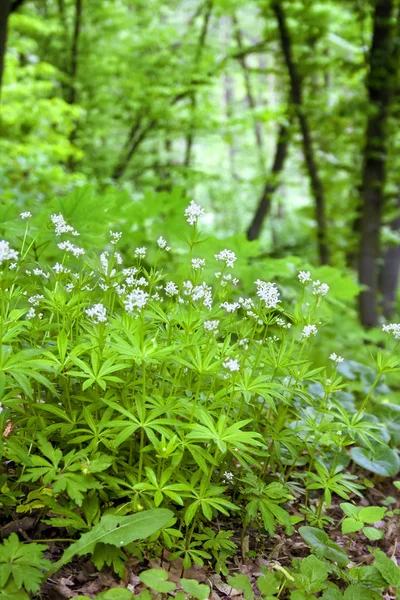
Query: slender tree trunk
{"x": 193, "y": 102}
{"x": 264, "y": 204}
{"x": 380, "y": 83}
{"x": 296, "y": 92}
{"x": 258, "y": 134}
{"x": 5, "y": 9}
{"x": 389, "y": 279}
{"x": 75, "y": 51}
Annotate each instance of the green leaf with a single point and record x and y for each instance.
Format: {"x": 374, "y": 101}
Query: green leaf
{"x": 359, "y": 592}
{"x": 314, "y": 569}
{"x": 241, "y": 582}
{"x": 157, "y": 580}
{"x": 118, "y": 531}
{"x": 319, "y": 541}
{"x": 373, "y": 534}
{"x": 372, "y": 514}
{"x": 115, "y": 594}
{"x": 195, "y": 589}
{"x": 386, "y": 567}
{"x": 23, "y": 563}
{"x": 268, "y": 584}
{"x": 349, "y": 509}
{"x": 382, "y": 460}
{"x": 351, "y": 525}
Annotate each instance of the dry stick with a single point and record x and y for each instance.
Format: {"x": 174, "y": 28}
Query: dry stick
{"x": 296, "y": 93}
{"x": 272, "y": 183}
{"x": 380, "y": 88}
{"x": 193, "y": 101}
{"x": 250, "y": 96}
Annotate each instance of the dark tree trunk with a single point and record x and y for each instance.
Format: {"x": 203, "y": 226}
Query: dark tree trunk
{"x": 264, "y": 204}
{"x": 75, "y": 51}
{"x": 296, "y": 92}
{"x": 389, "y": 279}
{"x": 5, "y": 9}
{"x": 380, "y": 83}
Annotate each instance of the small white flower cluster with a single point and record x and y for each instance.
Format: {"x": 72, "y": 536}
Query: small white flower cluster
{"x": 39, "y": 272}
{"x": 231, "y": 364}
{"x": 136, "y": 300}
{"x": 198, "y": 263}
{"x": 7, "y": 253}
{"x": 97, "y": 312}
{"x": 282, "y": 323}
{"x": 393, "y": 328}
{"x": 162, "y": 244}
{"x": 59, "y": 268}
{"x": 225, "y": 279}
{"x": 141, "y": 252}
{"x": 199, "y": 292}
{"x": 61, "y": 226}
{"x": 309, "y": 330}
{"x": 193, "y": 212}
{"x": 228, "y": 476}
{"x": 268, "y": 292}
{"x": 226, "y": 256}
{"x": 211, "y": 326}
{"x": 335, "y": 358}
{"x": 320, "y": 289}
{"x": 115, "y": 236}
{"x": 31, "y": 314}
{"x": 304, "y": 277}
{"x": 171, "y": 289}
{"x": 34, "y": 300}
{"x": 68, "y": 247}
{"x": 245, "y": 343}
{"x": 25, "y": 215}
{"x": 230, "y": 307}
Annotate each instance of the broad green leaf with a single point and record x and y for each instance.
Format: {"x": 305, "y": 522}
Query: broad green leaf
{"x": 359, "y": 592}
{"x": 372, "y": 514}
{"x": 241, "y": 582}
{"x": 118, "y": 531}
{"x": 115, "y": 594}
{"x": 351, "y": 525}
{"x": 386, "y": 567}
{"x": 268, "y": 584}
{"x": 157, "y": 580}
{"x": 319, "y": 541}
{"x": 373, "y": 534}
{"x": 195, "y": 589}
{"x": 382, "y": 460}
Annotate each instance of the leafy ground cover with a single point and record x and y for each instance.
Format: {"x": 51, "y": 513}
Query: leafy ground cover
{"x": 173, "y": 429}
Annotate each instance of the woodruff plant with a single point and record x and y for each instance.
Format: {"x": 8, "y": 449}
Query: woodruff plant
{"x": 126, "y": 388}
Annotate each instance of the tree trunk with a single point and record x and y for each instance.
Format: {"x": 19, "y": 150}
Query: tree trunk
{"x": 5, "y": 9}
{"x": 74, "y": 51}
{"x": 389, "y": 279}
{"x": 296, "y": 93}
{"x": 271, "y": 185}
{"x": 380, "y": 83}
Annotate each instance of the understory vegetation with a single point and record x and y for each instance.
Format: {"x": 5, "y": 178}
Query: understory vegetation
{"x": 142, "y": 401}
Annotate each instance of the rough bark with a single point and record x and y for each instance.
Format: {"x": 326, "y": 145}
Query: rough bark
{"x": 296, "y": 93}
{"x": 5, "y": 8}
{"x": 264, "y": 204}
{"x": 379, "y": 85}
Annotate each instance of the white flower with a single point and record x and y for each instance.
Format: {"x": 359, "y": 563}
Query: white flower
{"x": 162, "y": 244}
{"x": 211, "y": 326}
{"x": 98, "y": 313}
{"x": 115, "y": 236}
{"x": 68, "y": 247}
{"x": 12, "y": 266}
{"x": 231, "y": 364}
{"x": 268, "y": 292}
{"x": 58, "y": 268}
{"x": 227, "y": 256}
{"x": 141, "y": 252}
{"x": 61, "y": 226}
{"x": 335, "y": 358}
{"x": 7, "y": 253}
{"x": 40, "y": 272}
{"x": 393, "y": 328}
{"x": 31, "y": 313}
{"x": 304, "y": 277}
{"x": 198, "y": 263}
{"x": 309, "y": 330}
{"x": 69, "y": 287}
{"x": 230, "y": 307}
{"x": 137, "y": 299}
{"x": 282, "y": 323}
{"x": 171, "y": 289}
{"x": 228, "y": 476}
{"x": 34, "y": 300}
{"x": 245, "y": 343}
{"x": 25, "y": 215}
{"x": 193, "y": 212}
{"x": 320, "y": 289}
